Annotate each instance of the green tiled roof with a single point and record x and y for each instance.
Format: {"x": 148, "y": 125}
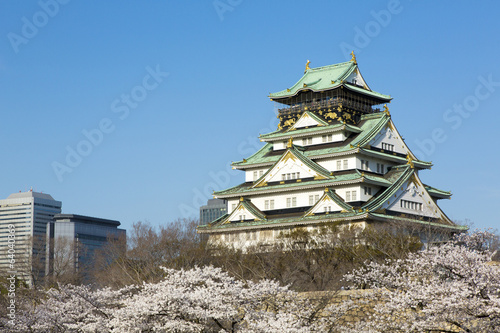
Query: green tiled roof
{"x": 217, "y": 226}
{"x": 327, "y": 78}
{"x": 277, "y": 135}
{"x": 436, "y": 192}
{"x": 399, "y": 177}
{"x": 366, "y": 124}
{"x": 397, "y": 218}
{"x": 353, "y": 176}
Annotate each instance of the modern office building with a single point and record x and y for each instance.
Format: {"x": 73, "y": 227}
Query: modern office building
{"x": 73, "y": 241}
{"x": 23, "y": 226}
{"x": 214, "y": 209}
{"x": 336, "y": 160}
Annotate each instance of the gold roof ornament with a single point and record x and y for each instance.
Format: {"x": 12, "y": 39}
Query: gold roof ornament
{"x": 307, "y": 65}
{"x": 410, "y": 161}
{"x": 241, "y": 199}
{"x": 290, "y": 142}
{"x": 353, "y": 57}
{"x": 326, "y": 189}
{"x": 386, "y": 110}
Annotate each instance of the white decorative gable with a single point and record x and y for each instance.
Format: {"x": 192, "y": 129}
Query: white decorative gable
{"x": 357, "y": 79}
{"x": 412, "y": 198}
{"x": 241, "y": 213}
{"x": 389, "y": 140}
{"x": 325, "y": 205}
{"x": 306, "y": 120}
{"x": 289, "y": 167}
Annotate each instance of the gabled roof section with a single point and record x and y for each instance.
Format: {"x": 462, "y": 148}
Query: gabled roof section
{"x": 369, "y": 133}
{"x": 404, "y": 176}
{"x": 307, "y": 119}
{"x": 246, "y": 208}
{"x": 329, "y": 198}
{"x": 294, "y": 156}
{"x": 327, "y": 78}
{"x": 399, "y": 175}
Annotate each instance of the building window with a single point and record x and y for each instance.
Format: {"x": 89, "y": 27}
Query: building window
{"x": 283, "y": 177}
{"x": 298, "y": 175}
{"x": 266, "y": 204}
{"x": 346, "y": 165}
{"x": 365, "y": 165}
{"x": 406, "y": 204}
{"x": 233, "y": 207}
{"x": 316, "y": 198}
{"x": 323, "y": 138}
{"x": 309, "y": 141}
{"x": 353, "y": 194}
{"x": 291, "y": 202}
{"x": 387, "y": 146}
{"x": 311, "y": 200}
{"x": 348, "y": 196}
{"x": 380, "y": 168}
{"x": 271, "y": 204}
{"x": 261, "y": 172}
{"x": 242, "y": 218}
{"x": 330, "y": 137}
{"x": 368, "y": 190}
{"x": 339, "y": 165}
{"x": 255, "y": 175}
{"x": 294, "y": 201}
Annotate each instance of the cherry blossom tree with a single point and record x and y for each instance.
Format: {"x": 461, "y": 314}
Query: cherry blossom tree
{"x": 449, "y": 288}
{"x": 197, "y": 300}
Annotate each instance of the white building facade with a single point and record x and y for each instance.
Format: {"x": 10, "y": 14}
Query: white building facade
{"x": 23, "y": 225}
{"x": 336, "y": 158}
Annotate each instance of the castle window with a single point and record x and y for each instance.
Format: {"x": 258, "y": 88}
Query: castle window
{"x": 406, "y": 204}
{"x": 271, "y": 204}
{"x": 316, "y": 198}
{"x": 368, "y": 190}
{"x": 346, "y": 165}
{"x": 283, "y": 177}
{"x": 261, "y": 172}
{"x": 311, "y": 200}
{"x": 339, "y": 165}
{"x": 365, "y": 165}
{"x": 348, "y": 196}
{"x": 353, "y": 195}
{"x": 330, "y": 137}
{"x": 387, "y": 146}
{"x": 266, "y": 204}
{"x": 255, "y": 175}
{"x": 323, "y": 138}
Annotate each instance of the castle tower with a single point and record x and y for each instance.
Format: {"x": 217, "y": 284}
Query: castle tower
{"x": 336, "y": 158}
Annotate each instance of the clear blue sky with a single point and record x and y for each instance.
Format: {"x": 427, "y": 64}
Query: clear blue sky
{"x": 170, "y": 92}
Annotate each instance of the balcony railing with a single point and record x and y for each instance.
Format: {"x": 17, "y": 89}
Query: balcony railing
{"x": 326, "y": 103}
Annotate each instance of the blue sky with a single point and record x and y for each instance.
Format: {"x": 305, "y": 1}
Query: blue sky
{"x": 156, "y": 98}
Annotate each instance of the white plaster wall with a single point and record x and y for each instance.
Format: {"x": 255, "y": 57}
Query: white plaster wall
{"x": 249, "y": 174}
{"x": 331, "y": 164}
{"x": 278, "y": 145}
{"x": 280, "y": 199}
{"x": 372, "y": 163}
